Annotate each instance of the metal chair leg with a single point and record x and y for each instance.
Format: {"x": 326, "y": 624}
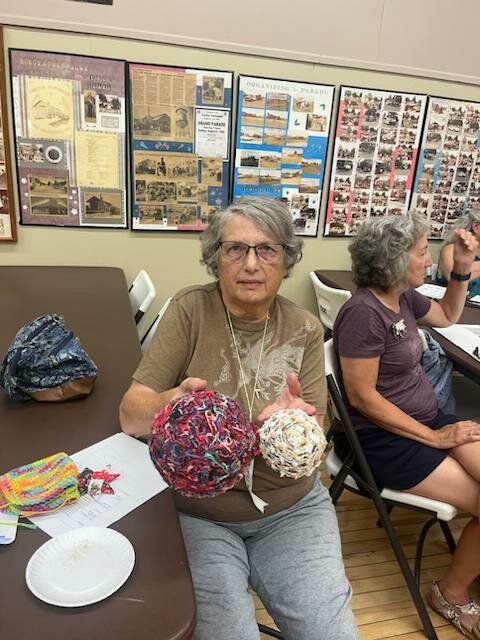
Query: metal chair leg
{"x": 405, "y": 567}
{"x": 270, "y": 632}
{"x": 389, "y": 508}
{"x": 448, "y": 536}
{"x": 419, "y": 552}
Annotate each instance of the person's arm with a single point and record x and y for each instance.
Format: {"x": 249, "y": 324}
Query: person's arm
{"x": 448, "y": 310}
{"x": 445, "y": 263}
{"x": 140, "y": 404}
{"x": 360, "y": 380}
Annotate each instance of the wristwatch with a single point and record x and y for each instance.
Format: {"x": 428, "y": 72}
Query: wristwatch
{"x": 461, "y": 277}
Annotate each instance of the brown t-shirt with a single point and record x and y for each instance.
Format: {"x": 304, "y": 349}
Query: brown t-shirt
{"x": 194, "y": 339}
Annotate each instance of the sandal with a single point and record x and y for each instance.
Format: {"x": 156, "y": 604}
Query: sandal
{"x": 457, "y": 614}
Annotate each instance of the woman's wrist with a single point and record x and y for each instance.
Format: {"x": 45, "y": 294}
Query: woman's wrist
{"x": 460, "y": 276}
{"x": 461, "y": 270}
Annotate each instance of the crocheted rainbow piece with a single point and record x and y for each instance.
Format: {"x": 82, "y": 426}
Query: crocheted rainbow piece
{"x": 202, "y": 443}
{"x": 292, "y": 443}
{"x": 41, "y": 486}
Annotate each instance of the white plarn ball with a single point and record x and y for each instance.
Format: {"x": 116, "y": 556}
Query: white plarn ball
{"x": 292, "y": 443}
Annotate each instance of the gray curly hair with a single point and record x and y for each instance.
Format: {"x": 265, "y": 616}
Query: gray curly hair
{"x": 380, "y": 250}
{"x": 269, "y": 214}
{"x": 465, "y": 221}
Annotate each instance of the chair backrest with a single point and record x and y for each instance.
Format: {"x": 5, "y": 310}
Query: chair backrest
{"x": 331, "y": 363}
{"x": 432, "y": 271}
{"x": 145, "y": 341}
{"x": 335, "y": 389}
{"x": 329, "y": 300}
{"x": 142, "y": 292}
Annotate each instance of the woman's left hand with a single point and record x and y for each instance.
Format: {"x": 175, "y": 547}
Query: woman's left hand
{"x": 290, "y": 398}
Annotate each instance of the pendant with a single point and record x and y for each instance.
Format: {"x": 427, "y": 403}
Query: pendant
{"x": 399, "y": 329}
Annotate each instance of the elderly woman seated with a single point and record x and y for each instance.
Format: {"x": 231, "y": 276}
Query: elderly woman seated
{"x": 471, "y": 222}
{"x": 238, "y": 336}
{"x": 409, "y": 444}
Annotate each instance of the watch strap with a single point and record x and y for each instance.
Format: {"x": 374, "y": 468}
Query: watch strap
{"x": 460, "y": 277}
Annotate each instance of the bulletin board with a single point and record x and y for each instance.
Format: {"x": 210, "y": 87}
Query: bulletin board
{"x": 70, "y": 127}
{"x": 8, "y": 224}
{"x": 376, "y": 146}
{"x": 281, "y": 144}
{"x": 447, "y": 181}
{"x": 180, "y": 146}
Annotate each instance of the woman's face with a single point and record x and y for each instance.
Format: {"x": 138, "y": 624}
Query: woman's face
{"x": 419, "y": 259}
{"x": 249, "y": 285}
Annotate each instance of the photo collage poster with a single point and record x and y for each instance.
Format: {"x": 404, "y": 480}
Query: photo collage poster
{"x": 373, "y": 166}
{"x": 447, "y": 182}
{"x": 281, "y": 144}
{"x": 70, "y": 125}
{"x": 180, "y": 142}
{"x": 8, "y": 225}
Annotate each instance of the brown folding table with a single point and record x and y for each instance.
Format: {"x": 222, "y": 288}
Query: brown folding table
{"x": 157, "y": 601}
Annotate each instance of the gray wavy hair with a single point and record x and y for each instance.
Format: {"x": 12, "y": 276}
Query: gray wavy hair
{"x": 269, "y": 214}
{"x": 464, "y": 222}
{"x": 380, "y": 250}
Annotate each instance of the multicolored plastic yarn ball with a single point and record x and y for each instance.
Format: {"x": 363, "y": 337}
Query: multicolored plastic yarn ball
{"x": 292, "y": 443}
{"x": 202, "y": 444}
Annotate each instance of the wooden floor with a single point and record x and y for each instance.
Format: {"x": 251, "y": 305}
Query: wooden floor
{"x": 381, "y": 602}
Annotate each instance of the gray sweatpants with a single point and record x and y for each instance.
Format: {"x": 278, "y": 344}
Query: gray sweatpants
{"x": 293, "y": 561}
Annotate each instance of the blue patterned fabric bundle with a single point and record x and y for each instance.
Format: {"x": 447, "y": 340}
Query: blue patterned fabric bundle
{"x": 46, "y": 361}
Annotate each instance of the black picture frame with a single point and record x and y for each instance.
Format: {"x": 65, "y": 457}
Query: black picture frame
{"x": 168, "y": 167}
{"x": 374, "y": 156}
{"x": 59, "y": 185}
{"x": 305, "y": 207}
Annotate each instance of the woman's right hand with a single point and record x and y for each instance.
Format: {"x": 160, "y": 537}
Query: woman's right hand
{"x": 188, "y": 385}
{"x": 456, "y": 434}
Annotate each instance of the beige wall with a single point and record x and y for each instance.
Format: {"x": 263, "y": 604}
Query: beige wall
{"x": 431, "y": 38}
{"x": 172, "y": 258}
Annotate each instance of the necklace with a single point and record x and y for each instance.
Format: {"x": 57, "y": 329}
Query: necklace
{"x": 257, "y": 501}
{"x": 255, "y": 391}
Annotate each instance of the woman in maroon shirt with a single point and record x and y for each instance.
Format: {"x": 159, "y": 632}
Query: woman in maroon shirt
{"x": 408, "y": 442}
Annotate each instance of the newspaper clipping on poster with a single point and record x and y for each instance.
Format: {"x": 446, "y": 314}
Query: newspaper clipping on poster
{"x": 180, "y": 164}
{"x": 281, "y": 144}
{"x": 70, "y": 125}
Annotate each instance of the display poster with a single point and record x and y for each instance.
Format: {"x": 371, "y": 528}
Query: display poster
{"x": 8, "y": 224}
{"x": 281, "y": 144}
{"x": 180, "y": 136}
{"x": 373, "y": 166}
{"x": 70, "y": 128}
{"x": 447, "y": 181}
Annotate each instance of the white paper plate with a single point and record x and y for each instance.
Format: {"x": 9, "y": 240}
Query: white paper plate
{"x": 80, "y": 567}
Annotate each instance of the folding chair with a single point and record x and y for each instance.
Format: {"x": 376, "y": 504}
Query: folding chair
{"x": 345, "y": 476}
{"x": 141, "y": 292}
{"x": 145, "y": 341}
{"x": 329, "y": 300}
{"x": 268, "y": 631}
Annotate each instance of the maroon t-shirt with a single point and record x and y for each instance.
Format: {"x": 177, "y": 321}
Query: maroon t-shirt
{"x": 365, "y": 328}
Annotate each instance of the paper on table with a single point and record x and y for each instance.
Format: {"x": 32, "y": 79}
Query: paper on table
{"x": 434, "y": 291}
{"x": 8, "y": 527}
{"x": 465, "y": 336}
{"x": 138, "y": 482}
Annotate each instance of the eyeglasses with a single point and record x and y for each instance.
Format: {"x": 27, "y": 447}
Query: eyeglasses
{"x": 270, "y": 252}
